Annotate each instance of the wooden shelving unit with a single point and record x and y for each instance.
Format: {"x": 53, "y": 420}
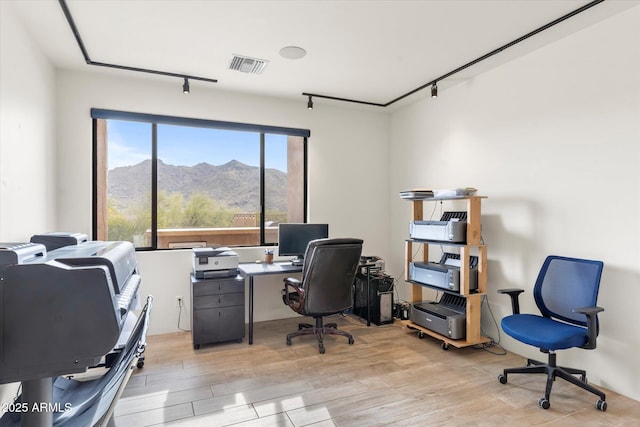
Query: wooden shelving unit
{"x": 473, "y": 244}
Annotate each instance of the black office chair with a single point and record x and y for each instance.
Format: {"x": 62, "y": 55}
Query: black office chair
{"x": 328, "y": 274}
{"x": 566, "y": 294}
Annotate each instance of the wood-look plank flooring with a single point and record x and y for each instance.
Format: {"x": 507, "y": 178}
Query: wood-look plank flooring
{"x": 389, "y": 377}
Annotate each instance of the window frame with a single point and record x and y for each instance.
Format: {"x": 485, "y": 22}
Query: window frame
{"x": 99, "y": 170}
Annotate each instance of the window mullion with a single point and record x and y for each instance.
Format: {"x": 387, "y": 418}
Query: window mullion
{"x": 154, "y": 185}
{"x": 262, "y": 189}
{"x": 305, "y": 183}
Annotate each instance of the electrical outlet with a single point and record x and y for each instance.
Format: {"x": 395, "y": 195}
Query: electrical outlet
{"x": 178, "y": 301}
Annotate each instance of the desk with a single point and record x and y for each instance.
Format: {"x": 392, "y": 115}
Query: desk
{"x": 253, "y": 269}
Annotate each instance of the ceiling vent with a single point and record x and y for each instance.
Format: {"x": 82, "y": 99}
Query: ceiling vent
{"x": 247, "y": 64}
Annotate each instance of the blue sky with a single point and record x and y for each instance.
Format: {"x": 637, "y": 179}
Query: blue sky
{"x": 130, "y": 143}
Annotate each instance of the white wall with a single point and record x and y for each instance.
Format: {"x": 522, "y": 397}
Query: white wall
{"x": 27, "y": 140}
{"x": 27, "y": 133}
{"x": 347, "y": 168}
{"x": 553, "y": 140}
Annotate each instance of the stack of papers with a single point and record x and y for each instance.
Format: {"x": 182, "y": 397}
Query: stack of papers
{"x": 416, "y": 194}
{"x": 421, "y": 194}
{"x": 455, "y": 192}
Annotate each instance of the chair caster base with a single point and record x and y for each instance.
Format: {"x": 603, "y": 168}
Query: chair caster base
{"x": 502, "y": 378}
{"x": 601, "y": 405}
{"x": 544, "y": 403}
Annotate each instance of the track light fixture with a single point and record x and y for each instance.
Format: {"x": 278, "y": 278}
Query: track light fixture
{"x": 432, "y": 83}
{"x": 434, "y": 87}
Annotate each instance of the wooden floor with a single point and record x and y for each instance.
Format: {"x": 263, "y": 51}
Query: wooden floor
{"x": 388, "y": 377}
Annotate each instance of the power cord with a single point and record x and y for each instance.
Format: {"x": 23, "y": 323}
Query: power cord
{"x": 493, "y": 343}
{"x": 180, "y": 306}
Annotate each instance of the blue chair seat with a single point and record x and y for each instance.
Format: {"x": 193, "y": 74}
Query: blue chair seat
{"x": 544, "y": 333}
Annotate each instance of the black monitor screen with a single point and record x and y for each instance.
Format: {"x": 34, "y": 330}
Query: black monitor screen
{"x": 294, "y": 238}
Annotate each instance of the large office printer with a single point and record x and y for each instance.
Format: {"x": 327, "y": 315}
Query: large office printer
{"x": 61, "y": 312}
{"x": 444, "y": 274}
{"x": 452, "y": 227}
{"x": 211, "y": 263}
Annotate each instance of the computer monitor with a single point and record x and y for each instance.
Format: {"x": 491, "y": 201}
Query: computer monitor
{"x": 294, "y": 238}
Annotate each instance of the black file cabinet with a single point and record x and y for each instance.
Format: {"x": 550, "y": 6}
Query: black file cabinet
{"x": 217, "y": 310}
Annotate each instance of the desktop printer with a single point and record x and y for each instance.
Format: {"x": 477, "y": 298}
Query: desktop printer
{"x": 444, "y": 274}
{"x": 447, "y": 316}
{"x": 374, "y": 263}
{"x": 452, "y": 227}
{"x": 209, "y": 263}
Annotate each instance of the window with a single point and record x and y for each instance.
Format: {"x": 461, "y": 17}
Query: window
{"x": 168, "y": 182}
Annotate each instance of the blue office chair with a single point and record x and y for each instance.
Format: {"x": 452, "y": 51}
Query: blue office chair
{"x": 566, "y": 293}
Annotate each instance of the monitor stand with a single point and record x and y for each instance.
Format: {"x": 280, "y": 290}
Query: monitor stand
{"x": 298, "y": 261}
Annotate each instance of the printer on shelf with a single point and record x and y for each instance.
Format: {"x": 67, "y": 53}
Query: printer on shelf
{"x": 444, "y": 274}
{"x": 209, "y": 263}
{"x": 452, "y": 227}
{"x": 374, "y": 263}
{"x": 446, "y": 317}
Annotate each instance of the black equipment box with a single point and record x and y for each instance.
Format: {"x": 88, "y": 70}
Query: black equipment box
{"x": 380, "y": 297}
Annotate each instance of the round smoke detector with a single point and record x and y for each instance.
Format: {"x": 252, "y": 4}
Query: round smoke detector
{"x": 292, "y": 52}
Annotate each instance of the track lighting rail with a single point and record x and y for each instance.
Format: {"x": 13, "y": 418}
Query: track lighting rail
{"x": 85, "y": 54}
{"x": 432, "y": 83}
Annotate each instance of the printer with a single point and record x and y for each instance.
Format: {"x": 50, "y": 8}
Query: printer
{"x": 209, "y": 263}
{"x": 452, "y": 227}
{"x": 446, "y": 317}
{"x": 63, "y": 311}
{"x": 444, "y": 274}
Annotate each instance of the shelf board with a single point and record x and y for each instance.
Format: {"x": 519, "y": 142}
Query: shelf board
{"x": 434, "y": 198}
{"x": 456, "y": 343}
{"x": 441, "y": 243}
{"x": 435, "y": 288}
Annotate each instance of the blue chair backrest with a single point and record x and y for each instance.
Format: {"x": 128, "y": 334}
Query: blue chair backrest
{"x": 564, "y": 284}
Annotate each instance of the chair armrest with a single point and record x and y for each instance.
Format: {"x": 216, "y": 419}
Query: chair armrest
{"x": 291, "y": 284}
{"x": 513, "y": 293}
{"x": 592, "y": 324}
{"x": 292, "y": 281}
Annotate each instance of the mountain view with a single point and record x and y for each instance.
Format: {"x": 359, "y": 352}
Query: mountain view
{"x": 233, "y": 184}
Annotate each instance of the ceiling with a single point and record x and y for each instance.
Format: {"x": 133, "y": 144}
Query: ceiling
{"x": 371, "y": 51}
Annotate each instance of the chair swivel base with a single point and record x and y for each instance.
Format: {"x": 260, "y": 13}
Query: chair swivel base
{"x": 552, "y": 371}
{"x": 319, "y": 330}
